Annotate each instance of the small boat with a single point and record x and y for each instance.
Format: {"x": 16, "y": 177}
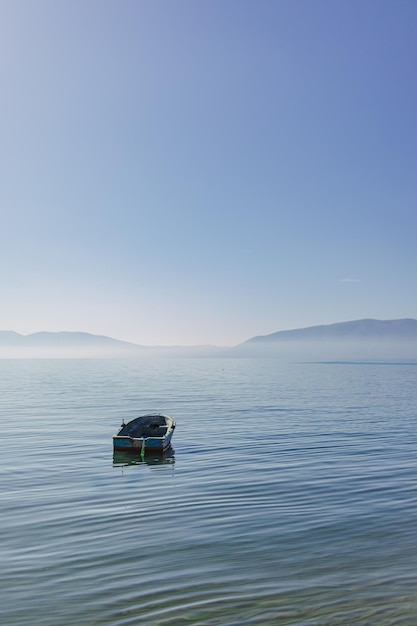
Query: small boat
{"x": 146, "y": 433}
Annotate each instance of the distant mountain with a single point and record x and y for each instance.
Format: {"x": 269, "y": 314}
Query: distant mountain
{"x": 63, "y": 343}
{"x": 356, "y": 330}
{"x": 366, "y": 339}
{"x": 76, "y": 344}
{"x": 360, "y": 339}
{"x": 9, "y": 338}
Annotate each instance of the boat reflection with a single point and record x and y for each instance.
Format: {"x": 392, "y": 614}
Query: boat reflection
{"x": 122, "y": 459}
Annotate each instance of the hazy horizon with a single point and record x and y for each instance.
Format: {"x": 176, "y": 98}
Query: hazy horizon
{"x": 200, "y": 173}
{"x": 357, "y": 340}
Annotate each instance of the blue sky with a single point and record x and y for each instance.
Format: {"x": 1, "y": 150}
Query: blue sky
{"x": 190, "y": 172}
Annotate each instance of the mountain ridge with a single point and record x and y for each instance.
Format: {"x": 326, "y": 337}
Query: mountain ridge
{"x": 356, "y": 340}
{"x": 366, "y": 328}
{"x": 359, "y": 333}
{"x": 57, "y": 344}
{"x": 45, "y": 344}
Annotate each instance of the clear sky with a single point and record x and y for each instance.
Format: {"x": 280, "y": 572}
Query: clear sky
{"x": 192, "y": 172}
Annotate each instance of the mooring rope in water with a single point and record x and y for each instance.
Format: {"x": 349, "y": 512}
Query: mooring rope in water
{"x": 142, "y": 450}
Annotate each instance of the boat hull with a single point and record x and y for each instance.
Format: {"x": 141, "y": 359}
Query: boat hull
{"x": 147, "y": 433}
{"x": 133, "y": 444}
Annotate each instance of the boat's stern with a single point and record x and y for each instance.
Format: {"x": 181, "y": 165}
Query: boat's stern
{"x": 148, "y": 432}
{"x": 133, "y": 444}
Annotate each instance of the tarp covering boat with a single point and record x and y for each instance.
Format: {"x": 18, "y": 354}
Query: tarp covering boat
{"x": 153, "y": 432}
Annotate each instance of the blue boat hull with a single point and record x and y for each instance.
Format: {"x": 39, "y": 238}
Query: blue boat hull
{"x": 152, "y": 433}
{"x": 155, "y": 444}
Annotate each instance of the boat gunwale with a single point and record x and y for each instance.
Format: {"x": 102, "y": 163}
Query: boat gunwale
{"x": 135, "y": 442}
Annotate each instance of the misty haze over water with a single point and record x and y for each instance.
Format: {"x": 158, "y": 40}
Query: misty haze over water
{"x": 356, "y": 340}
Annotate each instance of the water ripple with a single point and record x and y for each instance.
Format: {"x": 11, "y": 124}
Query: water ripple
{"x": 314, "y": 523}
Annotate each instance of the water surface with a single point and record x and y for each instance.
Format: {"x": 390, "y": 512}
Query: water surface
{"x": 290, "y": 497}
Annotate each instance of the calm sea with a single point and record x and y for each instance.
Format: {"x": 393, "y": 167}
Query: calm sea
{"x": 290, "y": 497}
